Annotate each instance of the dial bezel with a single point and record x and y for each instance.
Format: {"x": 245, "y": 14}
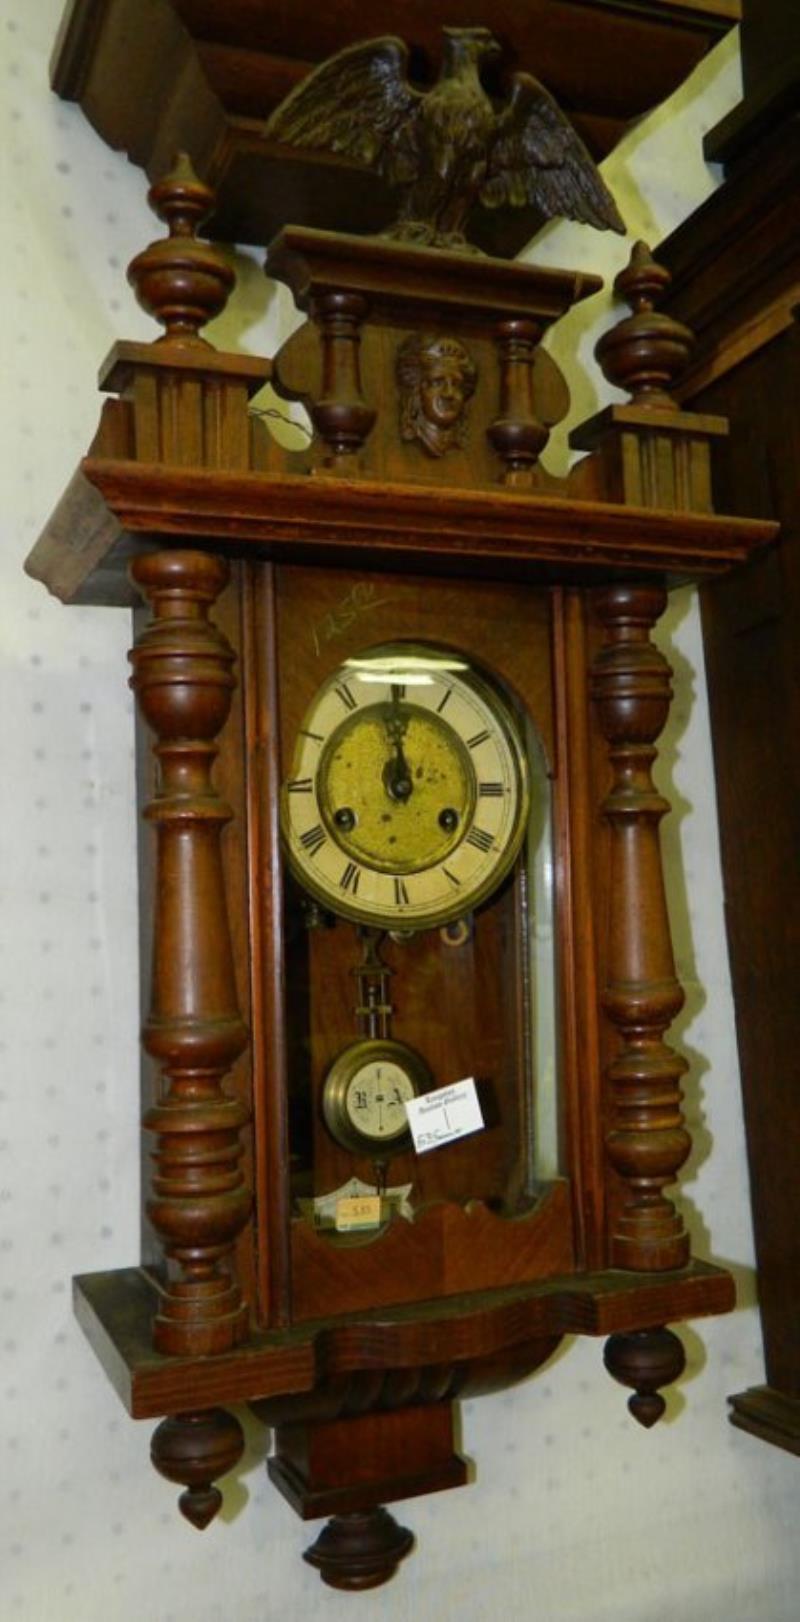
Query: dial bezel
{"x": 487, "y": 727}
{"x": 337, "y": 1084}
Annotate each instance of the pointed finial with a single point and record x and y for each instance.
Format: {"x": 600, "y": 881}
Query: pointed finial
{"x": 180, "y": 281}
{"x": 647, "y": 351}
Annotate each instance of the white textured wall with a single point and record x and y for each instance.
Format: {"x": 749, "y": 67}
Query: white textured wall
{"x": 577, "y": 1514}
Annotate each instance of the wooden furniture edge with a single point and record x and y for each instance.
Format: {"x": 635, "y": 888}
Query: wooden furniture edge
{"x": 723, "y": 14}
{"x": 394, "y": 274}
{"x": 110, "y": 503}
{"x": 115, "y": 1311}
{"x": 774, "y": 1416}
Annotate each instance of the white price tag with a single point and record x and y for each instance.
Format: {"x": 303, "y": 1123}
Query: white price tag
{"x": 444, "y": 1115}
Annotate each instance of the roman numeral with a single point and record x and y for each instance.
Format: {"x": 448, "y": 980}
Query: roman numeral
{"x": 350, "y": 877}
{"x": 343, "y": 692}
{"x": 316, "y": 736}
{"x": 313, "y": 839}
{"x": 299, "y": 785}
{"x": 480, "y": 839}
{"x": 480, "y": 737}
{"x": 400, "y": 894}
{"x": 456, "y": 883}
{"x": 398, "y": 691}
{"x": 490, "y": 791}
{"x": 447, "y": 696}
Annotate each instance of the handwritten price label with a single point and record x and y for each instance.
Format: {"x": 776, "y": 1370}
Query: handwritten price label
{"x": 444, "y": 1115}
{"x": 358, "y": 1211}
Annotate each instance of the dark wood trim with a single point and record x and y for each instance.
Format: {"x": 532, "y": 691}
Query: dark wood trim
{"x": 266, "y": 944}
{"x": 115, "y": 1310}
{"x": 413, "y": 282}
{"x": 74, "y": 46}
{"x": 772, "y": 1415}
{"x": 705, "y": 14}
{"x": 500, "y": 535}
{"x": 575, "y": 847}
{"x": 399, "y": 1454}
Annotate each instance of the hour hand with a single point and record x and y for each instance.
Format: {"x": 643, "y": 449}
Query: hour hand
{"x": 397, "y": 778}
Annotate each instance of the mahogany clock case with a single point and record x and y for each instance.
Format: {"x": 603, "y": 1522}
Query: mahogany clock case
{"x": 462, "y": 998}
{"x": 263, "y": 570}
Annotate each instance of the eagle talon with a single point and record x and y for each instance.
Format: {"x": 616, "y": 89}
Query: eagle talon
{"x": 456, "y": 242}
{"x": 415, "y": 231}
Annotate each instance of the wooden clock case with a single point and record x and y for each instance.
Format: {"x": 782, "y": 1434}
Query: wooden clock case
{"x": 262, "y": 569}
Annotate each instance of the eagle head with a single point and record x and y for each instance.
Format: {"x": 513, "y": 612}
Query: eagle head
{"x": 473, "y": 45}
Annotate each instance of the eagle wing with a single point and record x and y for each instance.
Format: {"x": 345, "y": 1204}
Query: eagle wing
{"x": 359, "y": 103}
{"x": 537, "y": 157}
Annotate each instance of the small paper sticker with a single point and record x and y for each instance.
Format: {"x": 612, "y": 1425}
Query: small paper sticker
{"x": 358, "y": 1211}
{"x": 444, "y": 1115}
{"x": 321, "y": 1212}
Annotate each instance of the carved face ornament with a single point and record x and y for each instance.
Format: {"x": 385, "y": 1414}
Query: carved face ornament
{"x": 436, "y": 378}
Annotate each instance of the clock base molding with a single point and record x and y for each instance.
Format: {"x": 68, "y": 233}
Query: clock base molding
{"x": 771, "y": 1415}
{"x": 116, "y": 1309}
{"x": 363, "y": 1411}
{"x": 402, "y": 1453}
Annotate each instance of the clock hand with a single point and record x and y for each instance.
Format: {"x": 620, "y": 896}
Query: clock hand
{"x": 397, "y": 778}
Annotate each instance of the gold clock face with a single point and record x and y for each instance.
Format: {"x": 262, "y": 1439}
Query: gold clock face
{"x": 365, "y": 1094}
{"x": 407, "y": 799}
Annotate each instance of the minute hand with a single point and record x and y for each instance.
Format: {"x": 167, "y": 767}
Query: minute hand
{"x": 397, "y": 778}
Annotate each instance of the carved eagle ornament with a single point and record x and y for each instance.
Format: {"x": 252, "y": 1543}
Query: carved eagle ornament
{"x": 449, "y": 148}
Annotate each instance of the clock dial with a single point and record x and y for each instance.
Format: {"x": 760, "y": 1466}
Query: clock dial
{"x": 365, "y": 1094}
{"x": 407, "y": 798}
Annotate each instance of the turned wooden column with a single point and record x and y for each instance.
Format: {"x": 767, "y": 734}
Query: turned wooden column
{"x": 647, "y": 1142}
{"x": 517, "y": 434}
{"x": 183, "y": 679}
{"x": 342, "y": 416}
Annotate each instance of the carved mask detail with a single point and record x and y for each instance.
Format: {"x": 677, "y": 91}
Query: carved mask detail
{"x": 436, "y": 378}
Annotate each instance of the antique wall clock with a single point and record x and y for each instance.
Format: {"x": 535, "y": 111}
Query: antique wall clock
{"x": 403, "y": 705}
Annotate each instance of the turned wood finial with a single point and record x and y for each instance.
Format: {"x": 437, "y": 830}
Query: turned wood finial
{"x": 645, "y": 1360}
{"x": 193, "y": 1450}
{"x": 182, "y": 282}
{"x": 359, "y": 1550}
{"x": 647, "y": 351}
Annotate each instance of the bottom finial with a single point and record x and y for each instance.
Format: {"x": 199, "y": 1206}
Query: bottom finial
{"x": 645, "y": 1359}
{"x": 193, "y": 1450}
{"x": 360, "y": 1550}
